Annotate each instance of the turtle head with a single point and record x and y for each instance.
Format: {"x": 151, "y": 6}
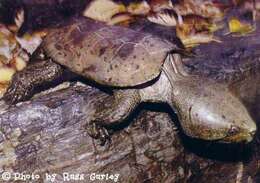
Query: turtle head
{"x": 214, "y": 113}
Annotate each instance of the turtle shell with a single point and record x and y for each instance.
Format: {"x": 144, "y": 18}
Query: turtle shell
{"x": 110, "y": 55}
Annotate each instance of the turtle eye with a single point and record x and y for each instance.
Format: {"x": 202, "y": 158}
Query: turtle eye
{"x": 233, "y": 130}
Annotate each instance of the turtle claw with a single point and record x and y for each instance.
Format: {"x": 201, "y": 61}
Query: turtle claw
{"x": 98, "y": 132}
{"x": 17, "y": 92}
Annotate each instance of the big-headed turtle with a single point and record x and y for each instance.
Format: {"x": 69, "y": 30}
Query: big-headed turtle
{"x": 139, "y": 67}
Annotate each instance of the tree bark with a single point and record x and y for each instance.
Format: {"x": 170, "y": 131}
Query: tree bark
{"x": 45, "y": 136}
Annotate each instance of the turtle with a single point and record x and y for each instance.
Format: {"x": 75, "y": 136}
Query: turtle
{"x": 138, "y": 67}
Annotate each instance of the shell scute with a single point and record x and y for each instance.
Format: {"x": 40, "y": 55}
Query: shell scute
{"x": 109, "y": 55}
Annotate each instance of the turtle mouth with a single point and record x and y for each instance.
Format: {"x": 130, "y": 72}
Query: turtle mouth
{"x": 241, "y": 137}
{"x": 225, "y": 134}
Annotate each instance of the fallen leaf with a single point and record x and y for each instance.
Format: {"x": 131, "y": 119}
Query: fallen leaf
{"x": 165, "y": 17}
{"x": 20, "y": 63}
{"x": 103, "y": 10}
{"x": 6, "y": 74}
{"x": 140, "y": 8}
{"x": 195, "y": 40}
{"x": 204, "y": 8}
{"x": 120, "y": 19}
{"x": 3, "y": 88}
{"x": 7, "y": 45}
{"x": 196, "y": 30}
{"x": 30, "y": 42}
{"x": 236, "y": 26}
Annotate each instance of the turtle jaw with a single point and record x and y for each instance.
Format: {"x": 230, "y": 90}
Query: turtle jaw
{"x": 207, "y": 123}
{"x": 246, "y": 134}
{"x": 226, "y": 121}
{"x": 213, "y": 113}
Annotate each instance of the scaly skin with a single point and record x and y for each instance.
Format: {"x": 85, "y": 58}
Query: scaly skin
{"x": 118, "y": 109}
{"x": 207, "y": 110}
{"x": 24, "y": 82}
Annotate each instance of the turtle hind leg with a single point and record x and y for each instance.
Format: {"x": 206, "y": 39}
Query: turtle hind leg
{"x": 112, "y": 113}
{"x": 24, "y": 82}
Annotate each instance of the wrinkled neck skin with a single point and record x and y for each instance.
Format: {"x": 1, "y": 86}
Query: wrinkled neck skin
{"x": 206, "y": 109}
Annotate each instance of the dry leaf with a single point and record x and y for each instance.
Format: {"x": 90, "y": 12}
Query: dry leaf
{"x": 20, "y": 63}
{"x": 195, "y": 40}
{"x": 19, "y": 19}
{"x": 166, "y": 17}
{"x": 6, "y": 74}
{"x": 30, "y": 42}
{"x": 158, "y": 5}
{"x": 196, "y": 30}
{"x": 120, "y": 19}
{"x": 3, "y": 88}
{"x": 103, "y": 10}
{"x": 141, "y": 8}
{"x": 204, "y": 8}
{"x": 7, "y": 44}
{"x": 14, "y": 53}
{"x": 236, "y": 26}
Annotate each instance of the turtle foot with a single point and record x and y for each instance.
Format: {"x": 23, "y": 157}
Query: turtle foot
{"x": 24, "y": 82}
{"x": 98, "y": 132}
{"x": 18, "y": 91}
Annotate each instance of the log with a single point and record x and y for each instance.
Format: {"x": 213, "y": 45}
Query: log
{"x": 43, "y": 140}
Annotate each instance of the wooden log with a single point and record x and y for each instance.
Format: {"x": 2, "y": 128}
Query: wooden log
{"x": 47, "y": 135}
{"x": 45, "y": 138}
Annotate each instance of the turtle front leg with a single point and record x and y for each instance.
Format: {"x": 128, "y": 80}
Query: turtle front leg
{"x": 24, "y": 82}
{"x": 112, "y": 113}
